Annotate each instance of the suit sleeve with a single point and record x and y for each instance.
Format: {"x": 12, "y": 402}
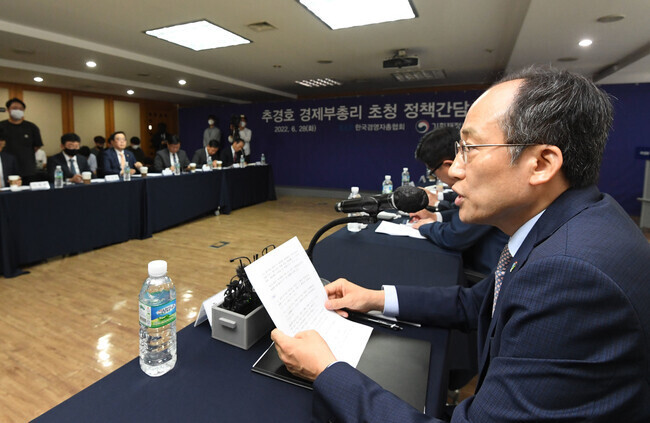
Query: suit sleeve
{"x": 454, "y": 235}
{"x": 196, "y": 158}
{"x": 343, "y": 394}
{"x": 185, "y": 162}
{"x": 158, "y": 164}
{"x": 110, "y": 167}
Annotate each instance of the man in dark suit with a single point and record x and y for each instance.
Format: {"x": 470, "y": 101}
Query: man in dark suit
{"x": 72, "y": 164}
{"x": 171, "y": 157}
{"x": 207, "y": 155}
{"x": 564, "y": 322}
{"x": 8, "y": 163}
{"x": 232, "y": 155}
{"x": 117, "y": 157}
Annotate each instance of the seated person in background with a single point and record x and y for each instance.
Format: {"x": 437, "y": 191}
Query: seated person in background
{"x": 563, "y": 324}
{"x": 207, "y": 155}
{"x": 98, "y": 152}
{"x": 117, "y": 157}
{"x": 136, "y": 150}
{"x": 231, "y": 155}
{"x": 72, "y": 163}
{"x": 8, "y": 163}
{"x": 171, "y": 157}
{"x": 479, "y": 244}
{"x": 92, "y": 160}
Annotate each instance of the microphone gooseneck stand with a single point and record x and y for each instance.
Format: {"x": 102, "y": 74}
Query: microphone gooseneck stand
{"x": 342, "y": 221}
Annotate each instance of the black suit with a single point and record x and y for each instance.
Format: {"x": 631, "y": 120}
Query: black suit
{"x": 162, "y": 161}
{"x": 227, "y": 156}
{"x": 200, "y": 157}
{"x": 60, "y": 160}
{"x": 9, "y": 166}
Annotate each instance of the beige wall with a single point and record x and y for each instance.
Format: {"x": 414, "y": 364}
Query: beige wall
{"x": 4, "y": 96}
{"x": 44, "y": 109}
{"x": 89, "y": 118}
{"x": 127, "y": 118}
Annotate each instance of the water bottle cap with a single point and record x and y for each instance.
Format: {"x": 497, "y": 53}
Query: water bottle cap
{"x": 157, "y": 268}
{"x": 355, "y": 190}
{"x": 387, "y": 177}
{"x": 58, "y": 166}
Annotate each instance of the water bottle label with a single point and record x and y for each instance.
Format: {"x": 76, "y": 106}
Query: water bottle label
{"x": 157, "y": 316}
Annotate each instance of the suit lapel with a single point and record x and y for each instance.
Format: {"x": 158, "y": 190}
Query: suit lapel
{"x": 567, "y": 205}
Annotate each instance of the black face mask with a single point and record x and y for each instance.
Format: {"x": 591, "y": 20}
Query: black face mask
{"x": 70, "y": 152}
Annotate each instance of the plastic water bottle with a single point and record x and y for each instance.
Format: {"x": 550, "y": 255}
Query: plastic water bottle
{"x": 263, "y": 159}
{"x": 353, "y": 226}
{"x": 177, "y": 168}
{"x": 406, "y": 177}
{"x": 242, "y": 162}
{"x": 58, "y": 177}
{"x": 387, "y": 185}
{"x": 127, "y": 173}
{"x": 157, "y": 307}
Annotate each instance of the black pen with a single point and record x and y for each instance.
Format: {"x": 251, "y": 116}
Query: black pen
{"x": 382, "y": 323}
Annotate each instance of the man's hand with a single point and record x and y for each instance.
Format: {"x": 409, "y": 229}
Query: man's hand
{"x": 418, "y": 223}
{"x": 137, "y": 165}
{"x": 344, "y": 294}
{"x": 422, "y": 214}
{"x": 77, "y": 179}
{"x": 306, "y": 355}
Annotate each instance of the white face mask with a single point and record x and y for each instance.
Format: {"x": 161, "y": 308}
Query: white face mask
{"x": 210, "y": 122}
{"x": 16, "y": 114}
{"x": 242, "y": 124}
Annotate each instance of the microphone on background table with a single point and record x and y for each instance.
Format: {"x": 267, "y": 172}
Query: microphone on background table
{"x": 406, "y": 198}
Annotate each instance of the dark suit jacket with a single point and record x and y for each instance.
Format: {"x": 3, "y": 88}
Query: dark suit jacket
{"x": 200, "y": 157}
{"x": 112, "y": 162}
{"x": 161, "y": 161}
{"x": 569, "y": 340}
{"x": 59, "y": 160}
{"x": 480, "y": 245}
{"x": 9, "y": 166}
{"x": 226, "y": 156}
{"x": 138, "y": 154}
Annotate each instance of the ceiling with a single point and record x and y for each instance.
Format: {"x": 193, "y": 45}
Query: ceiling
{"x": 471, "y": 41}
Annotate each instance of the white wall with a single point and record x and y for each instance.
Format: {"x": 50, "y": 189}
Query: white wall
{"x": 127, "y": 118}
{"x": 88, "y": 118}
{"x": 44, "y": 109}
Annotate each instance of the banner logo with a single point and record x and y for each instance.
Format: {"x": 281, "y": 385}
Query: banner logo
{"x": 422, "y": 126}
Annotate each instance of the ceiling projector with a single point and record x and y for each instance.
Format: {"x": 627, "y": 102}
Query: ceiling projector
{"x": 401, "y": 60}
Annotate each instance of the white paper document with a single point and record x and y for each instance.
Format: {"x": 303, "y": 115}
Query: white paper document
{"x": 398, "y": 230}
{"x": 294, "y": 297}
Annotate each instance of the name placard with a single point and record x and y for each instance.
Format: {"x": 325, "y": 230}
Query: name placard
{"x": 39, "y": 186}
{"x": 112, "y": 178}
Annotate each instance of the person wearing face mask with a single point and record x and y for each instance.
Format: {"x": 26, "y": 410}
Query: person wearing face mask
{"x": 245, "y": 134}
{"x": 22, "y": 138}
{"x": 72, "y": 164}
{"x": 211, "y": 132}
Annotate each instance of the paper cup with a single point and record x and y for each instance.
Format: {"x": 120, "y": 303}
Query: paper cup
{"x": 192, "y": 167}
{"x": 86, "y": 176}
{"x": 143, "y": 171}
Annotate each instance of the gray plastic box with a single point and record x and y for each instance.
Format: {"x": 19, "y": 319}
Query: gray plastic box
{"x": 239, "y": 330}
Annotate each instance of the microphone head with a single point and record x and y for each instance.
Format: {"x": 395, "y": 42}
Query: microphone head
{"x": 410, "y": 199}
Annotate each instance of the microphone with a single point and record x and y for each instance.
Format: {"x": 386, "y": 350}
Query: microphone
{"x": 407, "y": 199}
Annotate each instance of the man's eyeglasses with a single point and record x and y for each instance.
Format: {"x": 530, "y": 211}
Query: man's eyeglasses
{"x": 462, "y": 147}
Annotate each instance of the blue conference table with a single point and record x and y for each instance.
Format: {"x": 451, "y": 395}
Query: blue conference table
{"x": 36, "y": 225}
{"x": 213, "y": 381}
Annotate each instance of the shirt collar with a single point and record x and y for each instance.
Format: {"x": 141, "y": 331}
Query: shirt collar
{"x": 520, "y": 235}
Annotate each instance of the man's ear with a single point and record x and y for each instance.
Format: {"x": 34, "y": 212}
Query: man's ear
{"x": 547, "y": 163}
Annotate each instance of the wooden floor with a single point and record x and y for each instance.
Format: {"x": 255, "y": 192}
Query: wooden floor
{"x": 73, "y": 320}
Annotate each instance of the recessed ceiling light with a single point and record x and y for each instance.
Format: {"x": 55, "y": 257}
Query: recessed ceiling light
{"x": 130, "y": 92}
{"x": 585, "y": 43}
{"x": 38, "y": 79}
{"x": 338, "y": 14}
{"x": 319, "y": 82}
{"x": 182, "y": 82}
{"x": 200, "y": 35}
{"x": 91, "y": 64}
